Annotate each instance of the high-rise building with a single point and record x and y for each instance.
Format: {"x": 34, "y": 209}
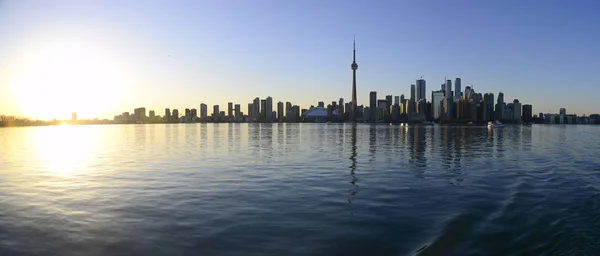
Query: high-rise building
{"x": 250, "y": 110}
{"x": 562, "y": 111}
{"x": 257, "y": 108}
{"x": 175, "y": 115}
{"x": 238, "y": 111}
{"x": 500, "y": 106}
{"x": 468, "y": 92}
{"x": 341, "y": 109}
{"x": 457, "y": 89}
{"x": 280, "y": 111}
{"x": 230, "y": 109}
{"x": 188, "y": 113}
{"x": 412, "y": 92}
{"x": 388, "y": 98}
{"x": 151, "y": 113}
{"x": 167, "y": 117}
{"x": 269, "y": 110}
{"x": 448, "y": 88}
{"x": 421, "y": 91}
{"x": 396, "y": 100}
{"x": 354, "y": 67}
{"x": 193, "y": 113}
{"x": 263, "y": 109}
{"x": 527, "y": 112}
{"x": 402, "y": 98}
{"x": 216, "y": 111}
{"x": 373, "y": 99}
{"x": 203, "y": 111}
{"x": 437, "y": 98}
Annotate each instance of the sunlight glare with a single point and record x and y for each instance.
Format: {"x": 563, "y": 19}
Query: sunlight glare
{"x": 67, "y": 77}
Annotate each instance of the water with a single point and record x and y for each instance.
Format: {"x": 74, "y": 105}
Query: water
{"x": 299, "y": 189}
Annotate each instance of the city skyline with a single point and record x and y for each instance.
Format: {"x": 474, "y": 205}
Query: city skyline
{"x": 101, "y": 59}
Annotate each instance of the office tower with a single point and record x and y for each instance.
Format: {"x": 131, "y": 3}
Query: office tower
{"x": 193, "y": 113}
{"x": 500, "y": 105}
{"x": 230, "y": 109}
{"x": 238, "y": 111}
{"x": 269, "y": 110}
{"x": 373, "y": 99}
{"x": 388, "y": 98}
{"x": 467, "y": 92}
{"x": 527, "y": 112}
{"x": 354, "y": 68}
{"x": 401, "y": 98}
{"x": 263, "y": 108}
{"x": 396, "y": 100}
{"x": 250, "y": 110}
{"x": 490, "y": 107}
{"x": 151, "y": 113}
{"x": 321, "y": 104}
{"x": 256, "y": 108}
{"x": 457, "y": 89}
{"x": 167, "y": 117}
{"x": 444, "y": 88}
{"x": 448, "y": 89}
{"x": 187, "y": 113}
{"x": 280, "y": 111}
{"x": 341, "y": 109}
{"x": 175, "y": 115}
{"x": 436, "y": 102}
{"x": 412, "y": 92}
{"x": 203, "y": 111}
{"x": 562, "y": 111}
{"x": 421, "y": 91}
{"x": 216, "y": 110}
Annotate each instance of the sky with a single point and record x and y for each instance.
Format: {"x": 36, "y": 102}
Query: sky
{"x": 102, "y": 58}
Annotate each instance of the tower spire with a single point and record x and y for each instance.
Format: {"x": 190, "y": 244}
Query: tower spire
{"x": 354, "y": 67}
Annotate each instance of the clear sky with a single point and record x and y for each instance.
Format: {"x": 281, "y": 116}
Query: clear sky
{"x": 101, "y": 58}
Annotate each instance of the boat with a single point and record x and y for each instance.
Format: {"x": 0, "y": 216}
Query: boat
{"x": 496, "y": 124}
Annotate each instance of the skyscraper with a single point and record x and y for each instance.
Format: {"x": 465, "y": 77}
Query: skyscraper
{"x": 230, "y": 109}
{"x": 373, "y": 99}
{"x": 412, "y": 92}
{"x": 421, "y": 91}
{"x": 203, "y": 111}
{"x": 562, "y": 111}
{"x": 354, "y": 67}
{"x": 402, "y": 99}
{"x": 457, "y": 89}
{"x": 448, "y": 87}
{"x": 527, "y": 112}
{"x": 238, "y": 111}
{"x": 397, "y": 100}
{"x": 250, "y": 110}
{"x": 216, "y": 111}
{"x": 263, "y": 108}
{"x": 269, "y": 110}
{"x": 280, "y": 111}
{"x": 256, "y": 108}
{"x": 437, "y": 98}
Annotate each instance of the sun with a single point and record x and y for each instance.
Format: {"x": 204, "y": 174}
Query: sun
{"x": 62, "y": 78}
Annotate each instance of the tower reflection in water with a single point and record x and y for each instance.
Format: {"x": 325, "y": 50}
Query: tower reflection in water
{"x": 354, "y": 181}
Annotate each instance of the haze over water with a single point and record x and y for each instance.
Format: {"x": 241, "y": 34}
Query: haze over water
{"x": 299, "y": 189}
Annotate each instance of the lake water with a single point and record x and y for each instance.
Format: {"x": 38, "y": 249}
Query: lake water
{"x": 299, "y": 189}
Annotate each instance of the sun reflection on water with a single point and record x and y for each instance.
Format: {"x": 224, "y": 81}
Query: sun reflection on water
{"x": 63, "y": 150}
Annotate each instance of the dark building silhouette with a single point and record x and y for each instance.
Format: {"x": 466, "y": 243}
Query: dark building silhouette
{"x": 527, "y": 113}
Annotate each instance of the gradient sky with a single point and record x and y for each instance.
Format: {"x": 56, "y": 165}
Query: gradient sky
{"x": 178, "y": 54}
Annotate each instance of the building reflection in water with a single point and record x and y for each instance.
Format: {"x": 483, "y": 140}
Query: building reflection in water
{"x": 372, "y": 141}
{"x": 353, "y": 155}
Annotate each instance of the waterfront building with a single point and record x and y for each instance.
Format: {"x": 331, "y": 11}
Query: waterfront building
{"x": 280, "y": 111}
{"x": 457, "y": 89}
{"x": 203, "y": 111}
{"x": 527, "y": 112}
{"x": 436, "y": 101}
{"x": 269, "y": 110}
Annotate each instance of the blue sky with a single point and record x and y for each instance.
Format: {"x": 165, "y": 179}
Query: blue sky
{"x": 178, "y": 54}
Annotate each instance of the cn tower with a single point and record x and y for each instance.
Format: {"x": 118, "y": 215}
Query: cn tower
{"x": 354, "y": 68}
